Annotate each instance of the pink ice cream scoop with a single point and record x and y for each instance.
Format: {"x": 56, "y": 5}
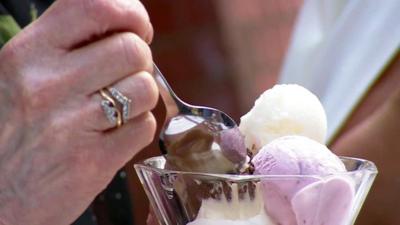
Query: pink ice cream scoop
{"x": 293, "y": 201}
{"x": 325, "y": 202}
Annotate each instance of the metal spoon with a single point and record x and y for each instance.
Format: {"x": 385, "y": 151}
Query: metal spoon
{"x": 198, "y": 138}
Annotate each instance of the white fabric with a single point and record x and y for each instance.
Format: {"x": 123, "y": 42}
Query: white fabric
{"x": 339, "y": 48}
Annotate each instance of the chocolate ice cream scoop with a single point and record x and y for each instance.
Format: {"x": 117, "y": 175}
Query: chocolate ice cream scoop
{"x": 197, "y": 148}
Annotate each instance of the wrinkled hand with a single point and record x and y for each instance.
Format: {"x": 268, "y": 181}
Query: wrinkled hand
{"x": 56, "y": 147}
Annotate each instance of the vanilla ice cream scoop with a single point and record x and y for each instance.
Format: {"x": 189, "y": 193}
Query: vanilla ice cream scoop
{"x": 286, "y": 109}
{"x": 299, "y": 155}
{"x": 235, "y": 211}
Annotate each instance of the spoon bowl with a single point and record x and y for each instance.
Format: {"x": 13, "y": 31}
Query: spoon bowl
{"x": 198, "y": 138}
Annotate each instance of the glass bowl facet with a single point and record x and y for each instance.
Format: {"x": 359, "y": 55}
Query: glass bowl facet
{"x": 187, "y": 198}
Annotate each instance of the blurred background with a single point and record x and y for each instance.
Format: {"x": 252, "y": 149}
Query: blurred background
{"x": 222, "y": 54}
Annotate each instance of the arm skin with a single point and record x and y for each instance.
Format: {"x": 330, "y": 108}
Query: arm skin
{"x": 377, "y": 138}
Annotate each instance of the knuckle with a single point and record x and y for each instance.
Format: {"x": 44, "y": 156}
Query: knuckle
{"x": 100, "y": 14}
{"x": 9, "y": 52}
{"x": 95, "y": 8}
{"x": 149, "y": 126}
{"x": 105, "y": 13}
{"x": 135, "y": 51}
{"x": 147, "y": 86}
{"x": 14, "y": 53}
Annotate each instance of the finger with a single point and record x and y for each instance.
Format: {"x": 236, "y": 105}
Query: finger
{"x": 106, "y": 61}
{"x": 121, "y": 144}
{"x": 140, "y": 88}
{"x": 70, "y": 22}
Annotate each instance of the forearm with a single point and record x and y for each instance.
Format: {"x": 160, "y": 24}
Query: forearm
{"x": 377, "y": 139}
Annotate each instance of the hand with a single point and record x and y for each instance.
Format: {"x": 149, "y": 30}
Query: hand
{"x": 56, "y": 147}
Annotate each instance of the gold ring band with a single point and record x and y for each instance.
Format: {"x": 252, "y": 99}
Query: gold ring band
{"x": 110, "y": 108}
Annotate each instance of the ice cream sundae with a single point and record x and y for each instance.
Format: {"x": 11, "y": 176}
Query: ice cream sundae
{"x": 289, "y": 176}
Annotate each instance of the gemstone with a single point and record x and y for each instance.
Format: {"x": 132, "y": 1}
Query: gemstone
{"x": 110, "y": 111}
{"x": 122, "y": 100}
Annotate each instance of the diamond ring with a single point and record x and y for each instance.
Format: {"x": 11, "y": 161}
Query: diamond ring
{"x": 110, "y": 109}
{"x": 123, "y": 100}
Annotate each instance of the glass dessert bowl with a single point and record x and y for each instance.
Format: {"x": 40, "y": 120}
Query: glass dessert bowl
{"x": 189, "y": 198}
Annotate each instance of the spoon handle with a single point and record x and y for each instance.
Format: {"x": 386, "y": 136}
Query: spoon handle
{"x": 172, "y": 103}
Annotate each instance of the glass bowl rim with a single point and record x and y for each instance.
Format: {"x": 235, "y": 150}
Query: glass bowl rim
{"x": 368, "y": 167}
